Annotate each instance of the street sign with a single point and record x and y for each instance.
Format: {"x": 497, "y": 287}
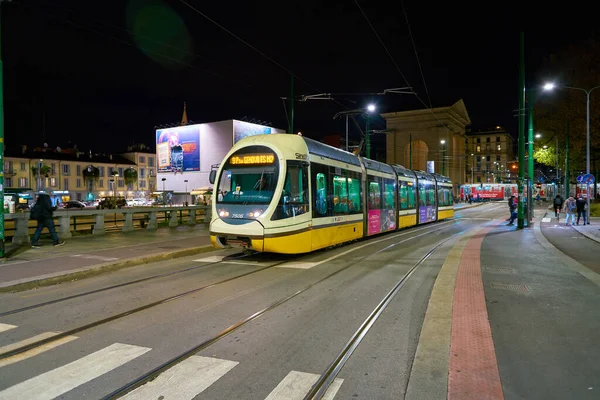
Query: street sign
{"x": 579, "y": 178}
{"x": 587, "y": 178}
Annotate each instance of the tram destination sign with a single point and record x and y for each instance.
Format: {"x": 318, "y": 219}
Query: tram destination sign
{"x": 252, "y": 159}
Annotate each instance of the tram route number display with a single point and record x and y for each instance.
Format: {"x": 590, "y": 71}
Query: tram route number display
{"x": 252, "y": 159}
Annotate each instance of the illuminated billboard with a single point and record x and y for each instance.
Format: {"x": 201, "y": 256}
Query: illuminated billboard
{"x": 178, "y": 149}
{"x": 243, "y": 129}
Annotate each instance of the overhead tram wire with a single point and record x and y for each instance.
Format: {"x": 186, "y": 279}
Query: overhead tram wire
{"x": 256, "y": 50}
{"x": 396, "y": 65}
{"x": 416, "y": 54}
{"x": 166, "y": 57}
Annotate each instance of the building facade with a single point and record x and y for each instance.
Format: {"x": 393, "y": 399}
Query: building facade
{"x": 489, "y": 156}
{"x": 61, "y": 173}
{"x": 432, "y": 140}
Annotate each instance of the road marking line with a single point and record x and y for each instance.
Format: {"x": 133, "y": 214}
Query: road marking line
{"x": 185, "y": 380}
{"x": 222, "y": 259}
{"x": 6, "y": 327}
{"x": 297, "y": 384}
{"x": 35, "y": 351}
{"x": 60, "y": 380}
{"x": 93, "y": 257}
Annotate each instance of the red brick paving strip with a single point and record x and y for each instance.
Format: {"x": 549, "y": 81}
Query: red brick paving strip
{"x": 473, "y": 370}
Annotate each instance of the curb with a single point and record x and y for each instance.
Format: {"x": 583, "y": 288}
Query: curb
{"x": 94, "y": 270}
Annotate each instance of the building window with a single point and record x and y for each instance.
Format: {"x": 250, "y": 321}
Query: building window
{"x": 22, "y": 182}
{"x": 78, "y": 170}
{"x": 478, "y": 158}
{"x": 101, "y": 183}
{"x": 478, "y": 140}
{"x": 53, "y": 182}
{"x": 78, "y": 184}
{"x": 66, "y": 169}
{"x": 120, "y": 172}
{"x": 487, "y": 139}
{"x": 53, "y": 167}
{"x": 8, "y": 182}
{"x": 142, "y": 159}
{"x": 22, "y": 166}
{"x": 498, "y": 158}
{"x": 66, "y": 184}
{"x": 120, "y": 183}
{"x": 110, "y": 171}
{"x": 142, "y": 172}
{"x": 151, "y": 161}
{"x": 479, "y": 149}
{"x": 142, "y": 184}
{"x": 478, "y": 179}
{"x": 499, "y": 147}
{"x": 497, "y": 138}
{"x": 101, "y": 171}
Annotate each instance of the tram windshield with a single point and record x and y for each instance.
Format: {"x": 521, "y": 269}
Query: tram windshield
{"x": 248, "y": 177}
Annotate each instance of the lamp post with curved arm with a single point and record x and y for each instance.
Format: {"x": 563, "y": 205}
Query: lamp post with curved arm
{"x": 551, "y": 86}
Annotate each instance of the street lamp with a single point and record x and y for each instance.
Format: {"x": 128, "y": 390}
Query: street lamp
{"x": 114, "y": 181}
{"x": 186, "y": 192}
{"x": 443, "y": 142}
{"x": 359, "y": 111}
{"x": 551, "y": 86}
{"x": 472, "y": 166}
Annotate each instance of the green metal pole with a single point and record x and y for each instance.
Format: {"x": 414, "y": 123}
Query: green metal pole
{"x": 410, "y": 144}
{"x": 1, "y": 145}
{"x": 368, "y": 138}
{"x": 530, "y": 167}
{"x": 520, "y": 183}
{"x": 567, "y": 182}
{"x": 291, "y": 126}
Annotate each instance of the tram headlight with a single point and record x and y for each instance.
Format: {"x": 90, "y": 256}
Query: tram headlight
{"x": 255, "y": 214}
{"x": 223, "y": 213}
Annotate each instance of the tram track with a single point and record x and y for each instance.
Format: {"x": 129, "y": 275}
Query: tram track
{"x": 73, "y": 331}
{"x": 154, "y": 373}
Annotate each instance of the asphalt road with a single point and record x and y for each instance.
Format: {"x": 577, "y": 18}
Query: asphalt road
{"x": 277, "y": 355}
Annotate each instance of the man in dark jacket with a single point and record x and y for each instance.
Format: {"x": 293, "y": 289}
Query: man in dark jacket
{"x": 581, "y": 209}
{"x": 43, "y": 214}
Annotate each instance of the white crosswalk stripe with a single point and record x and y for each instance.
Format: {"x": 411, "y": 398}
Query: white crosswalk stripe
{"x": 6, "y": 327}
{"x": 33, "y": 352}
{"x": 60, "y": 380}
{"x": 185, "y": 380}
{"x": 297, "y": 384}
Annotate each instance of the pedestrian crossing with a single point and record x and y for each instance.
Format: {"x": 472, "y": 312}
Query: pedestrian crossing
{"x": 185, "y": 380}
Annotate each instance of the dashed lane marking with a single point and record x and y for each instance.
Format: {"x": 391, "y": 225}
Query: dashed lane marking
{"x": 35, "y": 351}
{"x": 93, "y": 257}
{"x": 6, "y": 327}
{"x": 58, "y": 381}
{"x": 297, "y": 384}
{"x": 185, "y": 380}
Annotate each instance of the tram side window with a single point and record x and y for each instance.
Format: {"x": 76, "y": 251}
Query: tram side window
{"x": 374, "y": 194}
{"x": 354, "y": 205}
{"x": 340, "y": 195}
{"x": 444, "y": 196}
{"x": 389, "y": 188}
{"x": 406, "y": 195}
{"x": 422, "y": 196}
{"x": 430, "y": 194}
{"x": 321, "y": 195}
{"x": 294, "y": 197}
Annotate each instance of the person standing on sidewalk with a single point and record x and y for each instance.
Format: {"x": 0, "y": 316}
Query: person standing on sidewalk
{"x": 42, "y": 212}
{"x": 570, "y": 207}
{"x": 581, "y": 209}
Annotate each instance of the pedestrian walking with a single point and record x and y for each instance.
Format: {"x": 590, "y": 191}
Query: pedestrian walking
{"x": 581, "y": 209}
{"x": 558, "y": 203}
{"x": 570, "y": 207}
{"x": 512, "y": 208}
{"x": 42, "y": 212}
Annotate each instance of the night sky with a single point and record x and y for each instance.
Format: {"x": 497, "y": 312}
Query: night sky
{"x": 102, "y": 75}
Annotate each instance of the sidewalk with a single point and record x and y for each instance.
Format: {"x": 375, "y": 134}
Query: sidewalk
{"x": 591, "y": 231}
{"x": 510, "y": 316}
{"x": 27, "y": 268}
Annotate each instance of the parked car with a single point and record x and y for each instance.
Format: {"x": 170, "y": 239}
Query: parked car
{"x": 74, "y": 204}
{"x": 136, "y": 202}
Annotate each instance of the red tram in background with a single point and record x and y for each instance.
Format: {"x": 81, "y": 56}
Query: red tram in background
{"x": 502, "y": 191}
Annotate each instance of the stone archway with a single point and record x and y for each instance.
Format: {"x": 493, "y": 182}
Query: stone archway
{"x": 420, "y": 151}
